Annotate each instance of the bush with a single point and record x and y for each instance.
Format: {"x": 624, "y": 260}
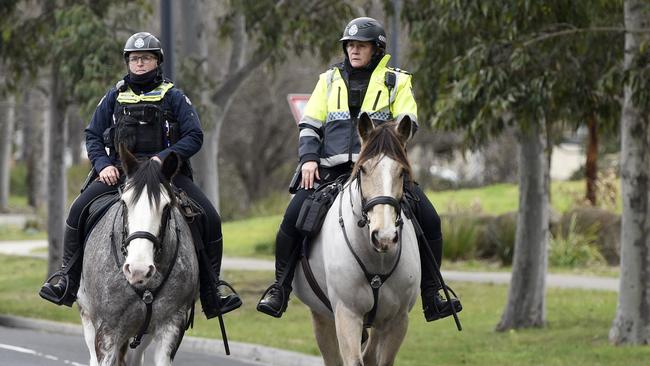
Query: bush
{"x": 500, "y": 238}
{"x": 574, "y": 248}
{"x": 460, "y": 237}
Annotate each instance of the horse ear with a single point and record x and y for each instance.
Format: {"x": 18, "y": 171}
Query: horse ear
{"x": 129, "y": 162}
{"x": 404, "y": 128}
{"x": 171, "y": 165}
{"x": 365, "y": 126}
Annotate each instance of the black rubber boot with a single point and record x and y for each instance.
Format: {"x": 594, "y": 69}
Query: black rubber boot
{"x": 212, "y": 302}
{"x": 275, "y": 299}
{"x": 61, "y": 288}
{"x": 434, "y": 305}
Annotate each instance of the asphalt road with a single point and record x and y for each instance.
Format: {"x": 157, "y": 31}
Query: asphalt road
{"x": 27, "y": 347}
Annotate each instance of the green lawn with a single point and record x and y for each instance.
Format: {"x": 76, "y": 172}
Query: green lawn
{"x": 578, "y": 323}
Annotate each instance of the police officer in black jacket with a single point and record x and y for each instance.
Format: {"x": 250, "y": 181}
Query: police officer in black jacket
{"x": 152, "y": 118}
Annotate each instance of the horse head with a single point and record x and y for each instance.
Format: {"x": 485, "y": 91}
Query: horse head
{"x": 381, "y": 171}
{"x": 147, "y": 199}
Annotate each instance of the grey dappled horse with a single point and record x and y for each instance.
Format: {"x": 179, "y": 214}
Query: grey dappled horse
{"x": 120, "y": 263}
{"x": 366, "y": 222}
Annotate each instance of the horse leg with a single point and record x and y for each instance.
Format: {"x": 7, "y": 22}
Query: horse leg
{"x": 370, "y": 349}
{"x": 390, "y": 338}
{"x": 89, "y": 335}
{"x": 349, "y": 327}
{"x": 325, "y": 333}
{"x": 167, "y": 341}
{"x": 135, "y": 357}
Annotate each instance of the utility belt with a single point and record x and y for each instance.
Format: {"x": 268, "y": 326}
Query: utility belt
{"x": 144, "y": 128}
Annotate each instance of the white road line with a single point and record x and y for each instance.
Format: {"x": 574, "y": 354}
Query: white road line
{"x": 35, "y": 353}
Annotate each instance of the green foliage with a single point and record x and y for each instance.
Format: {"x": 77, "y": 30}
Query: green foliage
{"x": 489, "y": 65}
{"x": 575, "y": 248}
{"x": 79, "y": 38}
{"x": 302, "y": 26}
{"x": 460, "y": 237}
{"x": 500, "y": 235}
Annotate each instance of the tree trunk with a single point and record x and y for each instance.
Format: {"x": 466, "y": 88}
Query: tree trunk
{"x": 75, "y": 134}
{"x": 525, "y": 307}
{"x": 6, "y": 144}
{"x": 56, "y": 176}
{"x": 33, "y": 143}
{"x": 195, "y": 15}
{"x": 632, "y": 322}
{"x": 591, "y": 166}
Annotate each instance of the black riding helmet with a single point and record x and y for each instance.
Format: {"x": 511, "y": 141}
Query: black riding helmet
{"x": 143, "y": 41}
{"x": 365, "y": 29}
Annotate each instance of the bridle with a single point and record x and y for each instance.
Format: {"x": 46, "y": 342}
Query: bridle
{"x": 157, "y": 240}
{"x": 375, "y": 280}
{"x": 147, "y": 296}
{"x": 367, "y": 205}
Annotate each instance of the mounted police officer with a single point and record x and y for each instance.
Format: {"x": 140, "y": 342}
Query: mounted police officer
{"x": 152, "y": 118}
{"x": 329, "y": 146}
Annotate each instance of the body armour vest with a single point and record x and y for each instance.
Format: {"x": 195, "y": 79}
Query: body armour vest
{"x": 142, "y": 123}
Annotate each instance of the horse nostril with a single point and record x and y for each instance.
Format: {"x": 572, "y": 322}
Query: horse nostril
{"x": 127, "y": 269}
{"x": 373, "y": 237}
{"x": 395, "y": 238}
{"x": 151, "y": 271}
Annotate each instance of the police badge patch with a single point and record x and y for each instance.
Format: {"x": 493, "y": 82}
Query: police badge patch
{"x": 139, "y": 43}
{"x": 353, "y": 30}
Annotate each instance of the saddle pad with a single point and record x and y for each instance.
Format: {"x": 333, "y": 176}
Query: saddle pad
{"x": 97, "y": 209}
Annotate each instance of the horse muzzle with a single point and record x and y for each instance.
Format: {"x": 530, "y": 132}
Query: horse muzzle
{"x": 138, "y": 273}
{"x": 384, "y": 240}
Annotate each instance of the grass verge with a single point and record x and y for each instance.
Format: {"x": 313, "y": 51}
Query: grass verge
{"x": 576, "y": 334}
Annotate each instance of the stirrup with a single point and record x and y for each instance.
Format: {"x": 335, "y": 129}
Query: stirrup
{"x": 67, "y": 298}
{"x": 432, "y": 313}
{"x": 264, "y": 308}
{"x": 231, "y": 305}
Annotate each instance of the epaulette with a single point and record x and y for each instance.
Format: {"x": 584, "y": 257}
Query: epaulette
{"x": 397, "y": 69}
{"x": 120, "y": 86}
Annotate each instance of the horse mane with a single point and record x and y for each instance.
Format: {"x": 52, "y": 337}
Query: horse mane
{"x": 149, "y": 175}
{"x": 383, "y": 139}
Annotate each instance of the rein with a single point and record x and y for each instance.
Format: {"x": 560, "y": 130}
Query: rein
{"x": 147, "y": 296}
{"x": 375, "y": 280}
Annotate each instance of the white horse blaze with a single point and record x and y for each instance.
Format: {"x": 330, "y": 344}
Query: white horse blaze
{"x": 383, "y": 216}
{"x": 139, "y": 264}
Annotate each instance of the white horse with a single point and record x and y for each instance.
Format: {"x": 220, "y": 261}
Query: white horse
{"x": 140, "y": 271}
{"x": 366, "y": 239}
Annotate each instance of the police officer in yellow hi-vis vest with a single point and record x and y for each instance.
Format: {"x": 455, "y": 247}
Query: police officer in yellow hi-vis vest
{"x": 329, "y": 146}
{"x": 152, "y": 118}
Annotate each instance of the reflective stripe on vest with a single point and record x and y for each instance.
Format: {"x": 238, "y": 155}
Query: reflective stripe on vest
{"x": 129, "y": 97}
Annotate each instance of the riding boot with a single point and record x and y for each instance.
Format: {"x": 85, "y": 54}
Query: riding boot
{"x": 61, "y": 288}
{"x": 212, "y": 302}
{"x": 434, "y": 305}
{"x": 276, "y": 297}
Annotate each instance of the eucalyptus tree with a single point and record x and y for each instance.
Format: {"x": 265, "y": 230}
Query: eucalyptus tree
{"x": 513, "y": 64}
{"x": 253, "y": 34}
{"x": 74, "y": 44}
{"x": 631, "y": 324}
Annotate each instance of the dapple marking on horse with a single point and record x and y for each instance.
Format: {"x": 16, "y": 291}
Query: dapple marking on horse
{"x": 111, "y": 310}
{"x": 376, "y": 240}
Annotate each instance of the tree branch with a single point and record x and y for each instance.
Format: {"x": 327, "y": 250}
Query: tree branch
{"x": 565, "y": 32}
{"x": 236, "y": 78}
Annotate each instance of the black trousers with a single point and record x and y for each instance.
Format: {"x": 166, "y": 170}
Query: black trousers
{"x": 211, "y": 225}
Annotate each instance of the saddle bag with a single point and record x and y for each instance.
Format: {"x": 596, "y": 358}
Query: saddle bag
{"x": 314, "y": 209}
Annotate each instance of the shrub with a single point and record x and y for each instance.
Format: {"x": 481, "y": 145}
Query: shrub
{"x": 574, "y": 248}
{"x": 499, "y": 239}
{"x": 460, "y": 237}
